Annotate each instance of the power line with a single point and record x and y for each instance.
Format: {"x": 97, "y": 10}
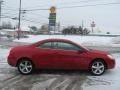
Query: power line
{"x": 8, "y": 12}
{"x": 83, "y": 1}
{"x": 42, "y": 9}
{"x": 88, "y": 5}
{"x": 4, "y": 14}
{"x": 6, "y": 17}
{"x": 9, "y": 9}
{"x": 35, "y": 9}
{"x": 36, "y": 6}
{"x": 104, "y": 4}
{"x": 11, "y": 14}
{"x": 39, "y": 15}
{"x": 15, "y": 18}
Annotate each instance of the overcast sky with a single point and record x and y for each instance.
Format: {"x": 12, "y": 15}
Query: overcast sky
{"x": 107, "y": 18}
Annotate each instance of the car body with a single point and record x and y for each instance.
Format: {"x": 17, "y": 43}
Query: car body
{"x": 59, "y": 54}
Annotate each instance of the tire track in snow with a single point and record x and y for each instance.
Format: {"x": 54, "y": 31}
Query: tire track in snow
{"x": 67, "y": 83}
{"x": 76, "y": 83}
{"x": 10, "y": 81}
{"x": 43, "y": 82}
{"x": 55, "y": 83}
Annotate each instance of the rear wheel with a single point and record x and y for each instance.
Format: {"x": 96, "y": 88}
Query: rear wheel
{"x": 97, "y": 67}
{"x": 25, "y": 66}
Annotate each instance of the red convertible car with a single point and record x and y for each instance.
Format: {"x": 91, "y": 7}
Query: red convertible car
{"x": 59, "y": 54}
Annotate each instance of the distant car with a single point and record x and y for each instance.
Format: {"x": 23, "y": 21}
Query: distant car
{"x": 59, "y": 54}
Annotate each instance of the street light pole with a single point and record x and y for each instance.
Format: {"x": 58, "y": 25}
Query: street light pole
{"x": 19, "y": 22}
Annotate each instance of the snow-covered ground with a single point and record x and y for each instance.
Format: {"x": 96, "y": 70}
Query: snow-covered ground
{"x": 35, "y": 38}
{"x": 85, "y": 40}
{"x": 3, "y": 54}
{"x": 109, "y": 81}
{"x": 116, "y": 40}
{"x": 6, "y": 71}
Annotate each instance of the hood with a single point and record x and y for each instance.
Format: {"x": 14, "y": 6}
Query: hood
{"x": 98, "y": 51}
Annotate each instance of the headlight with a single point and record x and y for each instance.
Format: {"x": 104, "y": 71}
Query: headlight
{"x": 110, "y": 56}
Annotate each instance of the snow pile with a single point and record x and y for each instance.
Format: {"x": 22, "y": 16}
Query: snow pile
{"x": 2, "y": 33}
{"x": 86, "y": 40}
{"x": 116, "y": 40}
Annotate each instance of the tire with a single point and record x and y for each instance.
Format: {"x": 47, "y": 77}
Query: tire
{"x": 25, "y": 67}
{"x": 97, "y": 67}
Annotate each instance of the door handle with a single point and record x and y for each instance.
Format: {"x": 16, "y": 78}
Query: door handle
{"x": 55, "y": 53}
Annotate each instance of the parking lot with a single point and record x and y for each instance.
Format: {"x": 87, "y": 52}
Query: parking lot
{"x": 10, "y": 79}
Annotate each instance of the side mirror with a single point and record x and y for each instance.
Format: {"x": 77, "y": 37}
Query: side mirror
{"x": 80, "y": 51}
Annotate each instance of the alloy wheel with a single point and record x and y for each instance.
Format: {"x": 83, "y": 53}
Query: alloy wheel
{"x": 98, "y": 68}
{"x": 25, "y": 67}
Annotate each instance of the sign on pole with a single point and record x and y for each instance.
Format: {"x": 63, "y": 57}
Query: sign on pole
{"x": 52, "y": 18}
{"x": 93, "y": 25}
{"x": 53, "y": 9}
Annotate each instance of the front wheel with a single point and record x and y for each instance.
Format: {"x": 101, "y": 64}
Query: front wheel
{"x": 25, "y": 67}
{"x": 97, "y": 67}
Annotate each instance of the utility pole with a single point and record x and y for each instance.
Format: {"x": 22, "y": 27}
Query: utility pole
{"x": 0, "y": 13}
{"x": 19, "y": 22}
{"x": 82, "y": 25}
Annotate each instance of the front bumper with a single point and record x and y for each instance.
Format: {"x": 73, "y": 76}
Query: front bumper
{"x": 11, "y": 61}
{"x": 111, "y": 64}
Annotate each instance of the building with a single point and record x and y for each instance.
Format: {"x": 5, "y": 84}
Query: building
{"x": 14, "y": 32}
{"x": 45, "y": 29}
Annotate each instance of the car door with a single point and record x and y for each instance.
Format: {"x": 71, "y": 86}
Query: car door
{"x": 69, "y": 56}
{"x": 44, "y": 55}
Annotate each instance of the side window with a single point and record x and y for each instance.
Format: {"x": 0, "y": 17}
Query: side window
{"x": 65, "y": 46}
{"x": 46, "y": 45}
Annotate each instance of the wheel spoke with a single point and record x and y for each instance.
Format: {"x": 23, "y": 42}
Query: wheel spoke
{"x": 26, "y": 63}
{"x": 101, "y": 66}
{"x": 100, "y": 71}
{"x": 27, "y": 70}
{"x": 98, "y": 64}
{"x": 94, "y": 67}
{"x": 22, "y": 65}
{"x": 29, "y": 66}
{"x": 96, "y": 71}
{"x": 22, "y": 69}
